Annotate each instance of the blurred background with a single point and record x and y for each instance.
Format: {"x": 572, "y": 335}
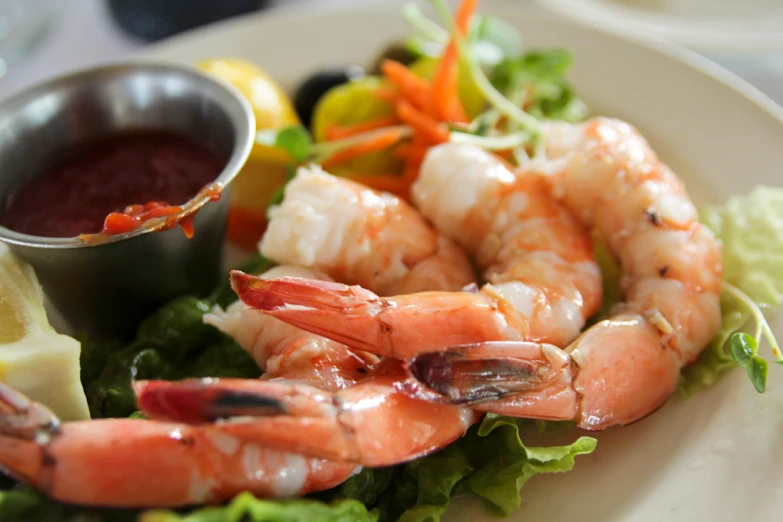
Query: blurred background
{"x": 44, "y": 38}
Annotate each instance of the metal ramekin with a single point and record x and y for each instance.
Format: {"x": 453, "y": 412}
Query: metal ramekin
{"x": 108, "y": 288}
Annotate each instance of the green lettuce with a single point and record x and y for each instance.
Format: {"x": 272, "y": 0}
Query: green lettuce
{"x": 490, "y": 461}
{"x": 751, "y": 228}
{"x": 25, "y": 505}
{"x": 246, "y": 508}
{"x": 173, "y": 343}
{"x": 540, "y": 76}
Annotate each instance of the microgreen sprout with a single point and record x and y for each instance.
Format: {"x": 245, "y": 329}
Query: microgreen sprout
{"x": 744, "y": 346}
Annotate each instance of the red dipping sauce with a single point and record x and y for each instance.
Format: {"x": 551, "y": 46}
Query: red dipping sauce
{"x": 140, "y": 175}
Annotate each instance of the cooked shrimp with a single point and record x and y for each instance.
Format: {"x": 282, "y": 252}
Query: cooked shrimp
{"x": 373, "y": 423}
{"x": 285, "y": 352}
{"x": 378, "y": 408}
{"x": 543, "y": 279}
{"x": 150, "y": 463}
{"x": 359, "y": 236}
{"x": 142, "y": 463}
{"x": 627, "y": 366}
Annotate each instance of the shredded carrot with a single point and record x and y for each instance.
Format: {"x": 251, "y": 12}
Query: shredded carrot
{"x": 416, "y": 90}
{"x": 434, "y": 131}
{"x": 445, "y": 98}
{"x": 396, "y": 185}
{"x": 337, "y": 132}
{"x": 411, "y": 152}
{"x": 379, "y": 142}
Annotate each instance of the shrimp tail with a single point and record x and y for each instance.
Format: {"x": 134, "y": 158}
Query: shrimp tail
{"x": 357, "y": 425}
{"x": 23, "y": 423}
{"x": 459, "y": 374}
{"x": 267, "y": 412}
{"x": 196, "y": 401}
{"x": 317, "y": 306}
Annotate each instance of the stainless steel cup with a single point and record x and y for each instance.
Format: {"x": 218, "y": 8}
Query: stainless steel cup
{"x": 108, "y": 288}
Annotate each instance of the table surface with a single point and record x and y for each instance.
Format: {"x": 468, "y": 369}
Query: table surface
{"x": 86, "y": 35}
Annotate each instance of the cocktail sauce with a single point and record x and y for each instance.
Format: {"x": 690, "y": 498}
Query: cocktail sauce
{"x": 114, "y": 185}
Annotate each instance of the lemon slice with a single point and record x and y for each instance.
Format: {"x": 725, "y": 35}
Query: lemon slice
{"x": 271, "y": 106}
{"x": 34, "y": 359}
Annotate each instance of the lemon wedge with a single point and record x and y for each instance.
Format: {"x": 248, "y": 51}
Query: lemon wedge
{"x": 265, "y": 170}
{"x": 271, "y": 106}
{"x": 34, "y": 359}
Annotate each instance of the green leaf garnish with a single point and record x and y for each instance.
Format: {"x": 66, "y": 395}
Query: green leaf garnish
{"x": 295, "y": 140}
{"x": 743, "y": 348}
{"x": 492, "y": 39}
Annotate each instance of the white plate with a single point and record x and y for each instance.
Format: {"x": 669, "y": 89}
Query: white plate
{"x": 701, "y": 24}
{"x": 717, "y": 456}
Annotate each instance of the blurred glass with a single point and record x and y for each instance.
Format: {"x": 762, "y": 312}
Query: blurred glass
{"x": 156, "y": 19}
{"x": 24, "y": 24}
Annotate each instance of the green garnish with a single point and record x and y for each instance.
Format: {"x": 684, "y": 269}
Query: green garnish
{"x": 492, "y": 39}
{"x": 751, "y": 228}
{"x": 295, "y": 140}
{"x": 539, "y": 78}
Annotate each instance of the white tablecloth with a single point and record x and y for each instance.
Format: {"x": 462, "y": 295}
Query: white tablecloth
{"x": 86, "y": 35}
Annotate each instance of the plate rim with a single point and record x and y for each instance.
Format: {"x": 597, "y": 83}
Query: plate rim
{"x": 706, "y": 36}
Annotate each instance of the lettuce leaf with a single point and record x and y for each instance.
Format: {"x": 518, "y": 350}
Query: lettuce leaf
{"x": 490, "y": 461}
{"x": 505, "y": 464}
{"x": 246, "y": 508}
{"x": 25, "y": 505}
{"x": 751, "y": 228}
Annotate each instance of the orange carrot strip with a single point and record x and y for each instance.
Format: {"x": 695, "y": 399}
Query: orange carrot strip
{"x": 416, "y": 90}
{"x": 396, "y": 185}
{"x": 411, "y": 152}
{"x": 423, "y": 124}
{"x": 337, "y": 132}
{"x": 445, "y": 98}
{"x": 383, "y": 140}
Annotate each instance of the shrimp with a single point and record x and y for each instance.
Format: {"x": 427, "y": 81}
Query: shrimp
{"x": 543, "y": 281}
{"x": 285, "y": 352}
{"x": 359, "y": 236}
{"x": 624, "y": 367}
{"x": 371, "y": 421}
{"x": 151, "y": 463}
{"x": 143, "y": 463}
{"x": 376, "y": 422}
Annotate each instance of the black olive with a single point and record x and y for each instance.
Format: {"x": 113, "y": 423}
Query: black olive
{"x": 398, "y": 52}
{"x": 312, "y": 89}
